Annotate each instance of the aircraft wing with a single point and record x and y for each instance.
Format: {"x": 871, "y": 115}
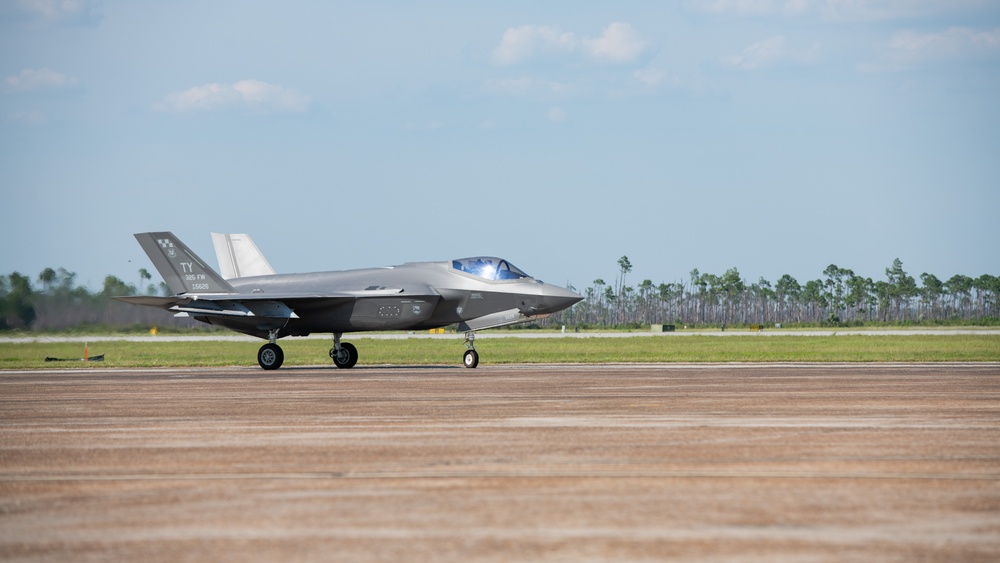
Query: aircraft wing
{"x": 277, "y": 306}
{"x": 219, "y": 306}
{"x": 151, "y": 301}
{"x": 271, "y": 306}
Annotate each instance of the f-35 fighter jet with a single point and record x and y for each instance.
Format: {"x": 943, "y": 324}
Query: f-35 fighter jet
{"x": 474, "y": 293}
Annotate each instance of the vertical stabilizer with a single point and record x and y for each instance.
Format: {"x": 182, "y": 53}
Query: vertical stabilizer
{"x": 239, "y": 257}
{"x": 181, "y": 269}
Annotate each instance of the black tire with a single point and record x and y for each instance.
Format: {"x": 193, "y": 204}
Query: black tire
{"x": 470, "y": 359}
{"x": 348, "y": 356}
{"x": 270, "y": 356}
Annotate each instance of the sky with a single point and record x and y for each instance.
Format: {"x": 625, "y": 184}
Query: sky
{"x": 772, "y": 136}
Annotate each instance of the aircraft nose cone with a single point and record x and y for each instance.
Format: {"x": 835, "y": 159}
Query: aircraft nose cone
{"x": 556, "y": 298}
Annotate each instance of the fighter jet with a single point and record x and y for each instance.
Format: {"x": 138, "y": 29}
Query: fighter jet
{"x": 473, "y": 293}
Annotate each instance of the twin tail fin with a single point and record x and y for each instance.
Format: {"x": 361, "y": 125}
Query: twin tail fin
{"x": 239, "y": 257}
{"x": 182, "y": 270}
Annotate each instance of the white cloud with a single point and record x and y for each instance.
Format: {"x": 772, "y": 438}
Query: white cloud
{"x": 29, "y": 117}
{"x": 772, "y": 51}
{"x": 618, "y": 43}
{"x": 906, "y": 49}
{"x": 252, "y": 94}
{"x": 870, "y": 10}
{"x": 524, "y": 42}
{"x": 759, "y": 54}
{"x": 517, "y": 86}
{"x": 34, "y": 79}
{"x": 524, "y": 86}
{"x": 556, "y": 115}
{"x": 955, "y": 41}
{"x": 840, "y": 10}
{"x": 756, "y": 7}
{"x": 62, "y": 11}
{"x": 652, "y": 77}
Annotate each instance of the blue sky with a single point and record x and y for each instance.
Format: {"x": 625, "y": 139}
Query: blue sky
{"x": 773, "y": 136}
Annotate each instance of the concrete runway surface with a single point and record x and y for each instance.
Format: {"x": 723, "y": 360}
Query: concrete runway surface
{"x": 792, "y": 462}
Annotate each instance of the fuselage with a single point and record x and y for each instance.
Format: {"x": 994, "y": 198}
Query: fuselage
{"x": 411, "y": 296}
{"x": 473, "y": 293}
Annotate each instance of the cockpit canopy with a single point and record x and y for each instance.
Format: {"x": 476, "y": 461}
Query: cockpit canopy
{"x": 489, "y": 267}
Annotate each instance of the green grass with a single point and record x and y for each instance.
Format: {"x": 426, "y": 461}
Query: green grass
{"x": 641, "y": 349}
{"x": 862, "y": 348}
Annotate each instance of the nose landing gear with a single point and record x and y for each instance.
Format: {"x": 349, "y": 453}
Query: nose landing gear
{"x": 471, "y": 358}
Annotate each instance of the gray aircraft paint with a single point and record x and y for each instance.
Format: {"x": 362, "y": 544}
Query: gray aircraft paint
{"x": 411, "y": 296}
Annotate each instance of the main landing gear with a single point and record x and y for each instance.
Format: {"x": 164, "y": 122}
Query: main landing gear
{"x": 343, "y": 354}
{"x": 270, "y": 355}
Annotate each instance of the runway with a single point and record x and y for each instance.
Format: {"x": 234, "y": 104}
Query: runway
{"x": 755, "y": 462}
{"x": 226, "y": 336}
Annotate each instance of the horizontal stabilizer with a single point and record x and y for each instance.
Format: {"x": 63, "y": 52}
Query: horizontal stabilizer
{"x": 213, "y": 311}
{"x": 151, "y": 301}
{"x": 253, "y": 308}
{"x": 266, "y": 308}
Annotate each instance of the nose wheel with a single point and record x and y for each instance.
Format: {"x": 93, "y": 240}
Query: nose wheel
{"x": 471, "y": 357}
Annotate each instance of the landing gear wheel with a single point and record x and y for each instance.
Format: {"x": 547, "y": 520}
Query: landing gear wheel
{"x": 471, "y": 358}
{"x": 346, "y": 357}
{"x": 270, "y": 356}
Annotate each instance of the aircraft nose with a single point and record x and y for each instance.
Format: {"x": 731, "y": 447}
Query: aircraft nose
{"x": 556, "y": 298}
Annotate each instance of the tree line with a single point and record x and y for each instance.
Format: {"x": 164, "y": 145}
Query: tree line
{"x": 840, "y": 298}
{"x": 53, "y": 301}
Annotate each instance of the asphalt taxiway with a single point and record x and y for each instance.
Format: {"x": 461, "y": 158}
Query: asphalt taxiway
{"x": 225, "y": 336}
{"x": 886, "y": 462}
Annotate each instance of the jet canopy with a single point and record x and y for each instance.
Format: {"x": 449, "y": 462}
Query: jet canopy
{"x": 489, "y": 267}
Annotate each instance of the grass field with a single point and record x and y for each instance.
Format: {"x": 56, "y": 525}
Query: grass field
{"x": 640, "y": 349}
